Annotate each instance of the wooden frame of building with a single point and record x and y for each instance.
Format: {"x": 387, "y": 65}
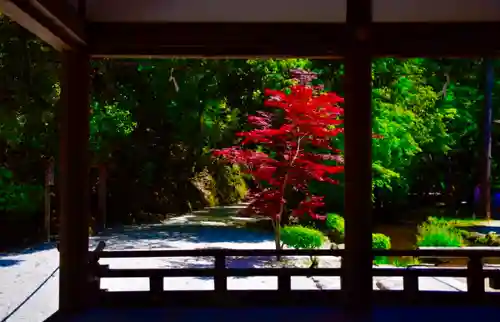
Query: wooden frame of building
{"x": 352, "y": 30}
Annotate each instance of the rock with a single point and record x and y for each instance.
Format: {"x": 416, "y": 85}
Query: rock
{"x": 263, "y": 224}
{"x": 478, "y": 239}
{"x": 472, "y": 236}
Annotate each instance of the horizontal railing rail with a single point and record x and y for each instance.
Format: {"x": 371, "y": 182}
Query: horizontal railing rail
{"x": 475, "y": 272}
{"x": 434, "y": 252}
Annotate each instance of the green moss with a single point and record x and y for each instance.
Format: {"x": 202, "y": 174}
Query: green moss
{"x": 230, "y": 185}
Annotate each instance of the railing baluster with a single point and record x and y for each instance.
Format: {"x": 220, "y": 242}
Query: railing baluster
{"x": 94, "y": 268}
{"x": 410, "y": 284}
{"x": 220, "y": 278}
{"x": 284, "y": 282}
{"x": 156, "y": 284}
{"x": 475, "y": 277}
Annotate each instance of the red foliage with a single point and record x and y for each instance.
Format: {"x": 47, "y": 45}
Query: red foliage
{"x": 311, "y": 120}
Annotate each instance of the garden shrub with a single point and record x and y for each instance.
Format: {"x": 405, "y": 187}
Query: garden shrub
{"x": 438, "y": 221}
{"x": 381, "y": 241}
{"x": 17, "y": 198}
{"x": 20, "y": 209}
{"x": 300, "y": 237}
{"x": 336, "y": 228}
{"x": 335, "y": 222}
{"x": 438, "y": 233}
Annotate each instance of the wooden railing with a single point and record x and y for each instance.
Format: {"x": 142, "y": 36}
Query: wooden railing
{"x": 475, "y": 272}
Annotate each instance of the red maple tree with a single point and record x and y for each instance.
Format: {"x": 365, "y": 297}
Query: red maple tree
{"x": 282, "y": 152}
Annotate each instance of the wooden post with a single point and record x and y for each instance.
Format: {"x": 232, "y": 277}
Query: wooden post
{"x": 74, "y": 177}
{"x": 357, "y": 280}
{"x": 220, "y": 278}
{"x": 475, "y": 279}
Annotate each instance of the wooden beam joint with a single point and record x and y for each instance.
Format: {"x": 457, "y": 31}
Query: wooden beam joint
{"x": 54, "y": 21}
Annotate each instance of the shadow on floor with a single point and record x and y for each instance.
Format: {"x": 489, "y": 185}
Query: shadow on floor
{"x": 30, "y": 250}
{"x": 7, "y": 262}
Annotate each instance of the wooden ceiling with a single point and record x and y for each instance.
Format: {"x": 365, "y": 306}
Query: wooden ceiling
{"x": 236, "y": 28}
{"x": 288, "y": 11}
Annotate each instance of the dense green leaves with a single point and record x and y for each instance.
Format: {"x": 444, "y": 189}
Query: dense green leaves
{"x": 154, "y": 122}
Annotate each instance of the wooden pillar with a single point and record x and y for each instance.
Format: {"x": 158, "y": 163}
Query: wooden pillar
{"x": 357, "y": 265}
{"x": 74, "y": 177}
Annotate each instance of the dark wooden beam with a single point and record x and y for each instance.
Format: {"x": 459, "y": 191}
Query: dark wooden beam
{"x": 74, "y": 177}
{"x": 291, "y": 300}
{"x": 217, "y": 40}
{"x": 54, "y": 21}
{"x": 356, "y": 279}
{"x": 315, "y": 40}
{"x": 435, "y": 39}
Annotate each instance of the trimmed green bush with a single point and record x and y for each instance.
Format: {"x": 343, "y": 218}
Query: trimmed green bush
{"x": 381, "y": 241}
{"x": 438, "y": 233}
{"x": 300, "y": 237}
{"x": 336, "y": 228}
{"x": 335, "y": 222}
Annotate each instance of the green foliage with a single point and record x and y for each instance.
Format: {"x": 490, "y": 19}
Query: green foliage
{"x": 300, "y": 237}
{"x": 24, "y": 199}
{"x": 405, "y": 261}
{"x": 109, "y": 124}
{"x": 336, "y": 226}
{"x": 335, "y": 222}
{"x": 381, "y": 241}
{"x": 436, "y": 232}
{"x": 155, "y": 121}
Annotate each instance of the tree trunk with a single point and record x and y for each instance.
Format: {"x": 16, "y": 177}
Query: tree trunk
{"x": 485, "y": 159}
{"x": 49, "y": 182}
{"x": 277, "y": 239}
{"x": 102, "y": 193}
